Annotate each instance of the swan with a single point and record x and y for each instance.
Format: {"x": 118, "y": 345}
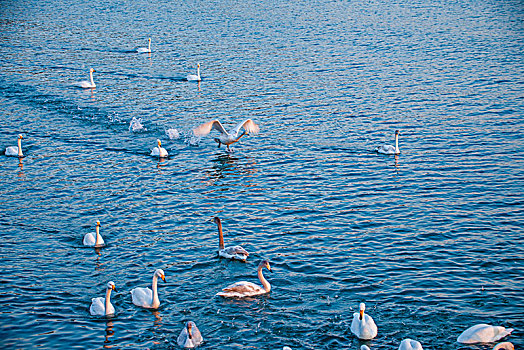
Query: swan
{"x": 409, "y": 344}
{"x": 143, "y": 49}
{"x": 236, "y": 252}
{"x": 159, "y": 151}
{"x": 193, "y": 77}
{"x": 88, "y": 84}
{"x": 14, "y": 151}
{"x": 364, "y": 347}
{"x": 226, "y": 138}
{"x": 504, "y": 346}
{"x": 102, "y": 306}
{"x": 94, "y": 239}
{"x": 146, "y": 297}
{"x": 483, "y": 333}
{"x": 190, "y": 336}
{"x": 388, "y": 149}
{"x": 248, "y": 289}
{"x": 363, "y": 325}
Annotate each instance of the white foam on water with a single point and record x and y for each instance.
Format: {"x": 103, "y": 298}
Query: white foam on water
{"x": 135, "y": 125}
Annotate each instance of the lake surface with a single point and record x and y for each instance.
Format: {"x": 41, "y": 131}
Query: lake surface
{"x": 431, "y": 240}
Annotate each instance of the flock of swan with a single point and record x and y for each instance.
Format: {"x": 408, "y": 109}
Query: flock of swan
{"x": 362, "y": 326}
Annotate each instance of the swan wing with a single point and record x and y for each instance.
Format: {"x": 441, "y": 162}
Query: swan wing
{"x": 248, "y": 125}
{"x": 142, "y": 297}
{"x": 11, "y": 151}
{"x": 409, "y": 344}
{"x": 98, "y": 307}
{"x": 206, "y": 128}
{"x": 243, "y": 287}
{"x": 89, "y": 239}
{"x": 483, "y": 333}
{"x": 236, "y": 252}
{"x": 385, "y": 149}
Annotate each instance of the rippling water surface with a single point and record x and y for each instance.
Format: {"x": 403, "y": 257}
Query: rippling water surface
{"x": 431, "y": 240}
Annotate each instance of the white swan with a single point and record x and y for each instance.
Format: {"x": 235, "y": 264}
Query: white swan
{"x": 159, "y": 151}
{"x": 190, "y": 336}
{"x": 247, "y": 289}
{"x": 102, "y": 306}
{"x": 388, "y": 149}
{"x": 94, "y": 239}
{"x": 363, "y": 326}
{"x": 193, "y": 77}
{"x": 226, "y": 138}
{"x": 88, "y": 84}
{"x": 364, "y": 347}
{"x": 409, "y": 344}
{"x": 146, "y": 297}
{"x": 504, "y": 346}
{"x": 236, "y": 252}
{"x": 483, "y": 333}
{"x": 145, "y": 49}
{"x": 14, "y": 151}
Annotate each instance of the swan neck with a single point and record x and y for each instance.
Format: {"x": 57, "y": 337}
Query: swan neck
{"x": 241, "y": 136}
{"x": 198, "y": 72}
{"x": 149, "y": 45}
{"x": 97, "y": 235}
{"x": 220, "y": 236}
{"x": 396, "y": 144}
{"x": 91, "y": 77}
{"x": 20, "y": 147}
{"x": 108, "y": 300}
{"x": 155, "y": 300}
{"x": 265, "y": 283}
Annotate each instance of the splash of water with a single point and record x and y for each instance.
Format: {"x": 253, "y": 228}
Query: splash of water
{"x": 173, "y": 133}
{"x": 136, "y": 125}
{"x": 192, "y": 139}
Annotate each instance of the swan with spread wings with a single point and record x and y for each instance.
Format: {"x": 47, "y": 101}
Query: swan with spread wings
{"x": 227, "y": 138}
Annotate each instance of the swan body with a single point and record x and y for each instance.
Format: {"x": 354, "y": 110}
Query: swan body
{"x": 94, "y": 239}
{"x": 193, "y": 77}
{"x": 225, "y": 137}
{"x": 409, "y": 344}
{"x": 483, "y": 333}
{"x": 88, "y": 84}
{"x": 190, "y": 336}
{"x": 146, "y": 297}
{"x": 15, "y": 151}
{"x": 364, "y": 347}
{"x": 236, "y": 252}
{"x": 159, "y": 151}
{"x": 363, "y": 326}
{"x": 388, "y": 149}
{"x": 145, "y": 49}
{"x": 247, "y": 289}
{"x": 102, "y": 306}
{"x": 504, "y": 346}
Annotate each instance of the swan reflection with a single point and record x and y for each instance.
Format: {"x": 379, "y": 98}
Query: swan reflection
{"x": 109, "y": 333}
{"x": 227, "y": 165}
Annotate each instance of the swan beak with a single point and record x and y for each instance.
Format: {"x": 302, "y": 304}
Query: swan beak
{"x": 113, "y": 288}
{"x": 361, "y": 314}
{"x": 163, "y": 278}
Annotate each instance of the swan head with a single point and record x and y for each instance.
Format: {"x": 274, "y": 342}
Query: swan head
{"x": 217, "y": 140}
{"x": 92, "y": 70}
{"x": 111, "y": 285}
{"x": 159, "y": 143}
{"x": 265, "y": 263}
{"x": 20, "y": 136}
{"x": 397, "y": 132}
{"x": 198, "y": 65}
{"x": 504, "y": 346}
{"x": 98, "y": 223}
{"x": 160, "y": 273}
{"x": 216, "y": 220}
{"x": 362, "y": 307}
{"x": 149, "y": 39}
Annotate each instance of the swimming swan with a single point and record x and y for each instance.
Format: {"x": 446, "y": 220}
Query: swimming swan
{"x": 236, "y": 252}
{"x": 192, "y": 77}
{"x": 102, "y": 306}
{"x": 88, "y": 84}
{"x": 143, "y": 49}
{"x": 146, "y": 297}
{"x": 363, "y": 326}
{"x": 247, "y": 289}
{"x": 409, "y": 344}
{"x": 94, "y": 239}
{"x": 159, "y": 151}
{"x": 388, "y": 149}
{"x": 14, "y": 151}
{"x": 190, "y": 336}
{"x": 483, "y": 333}
{"x": 226, "y": 138}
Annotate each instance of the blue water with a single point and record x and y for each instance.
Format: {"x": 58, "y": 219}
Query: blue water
{"x": 431, "y": 240}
